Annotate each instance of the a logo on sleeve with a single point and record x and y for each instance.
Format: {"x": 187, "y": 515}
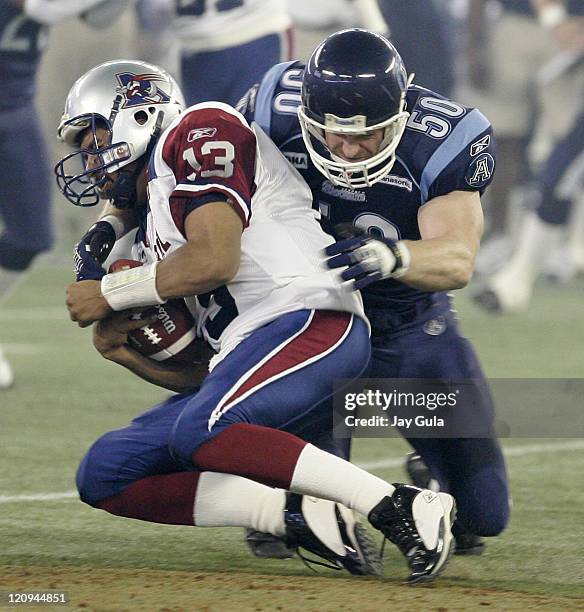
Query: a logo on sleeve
{"x": 480, "y": 145}
{"x": 206, "y": 132}
{"x": 480, "y": 171}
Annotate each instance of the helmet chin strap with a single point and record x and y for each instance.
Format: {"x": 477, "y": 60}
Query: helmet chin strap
{"x": 124, "y": 192}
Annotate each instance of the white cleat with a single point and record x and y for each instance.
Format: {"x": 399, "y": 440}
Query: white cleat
{"x": 6, "y": 373}
{"x": 505, "y": 292}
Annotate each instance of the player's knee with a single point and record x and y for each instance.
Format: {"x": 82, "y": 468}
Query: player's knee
{"x": 487, "y": 516}
{"x": 16, "y": 258}
{"x": 96, "y": 473}
{"x": 493, "y": 522}
{"x": 84, "y": 481}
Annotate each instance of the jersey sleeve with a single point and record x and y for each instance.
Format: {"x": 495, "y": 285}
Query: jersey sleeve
{"x": 448, "y": 146}
{"x": 274, "y": 101}
{"x": 464, "y": 161}
{"x": 212, "y": 154}
{"x": 469, "y": 165}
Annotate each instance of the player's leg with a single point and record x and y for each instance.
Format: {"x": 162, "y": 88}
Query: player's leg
{"x": 25, "y": 197}
{"x": 277, "y": 380}
{"x": 557, "y": 185}
{"x": 472, "y": 470}
{"x": 130, "y": 473}
{"x": 226, "y": 75}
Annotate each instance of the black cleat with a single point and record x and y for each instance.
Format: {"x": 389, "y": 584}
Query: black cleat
{"x": 488, "y": 300}
{"x": 419, "y": 473}
{"x": 469, "y": 544}
{"x": 330, "y": 531}
{"x": 418, "y": 522}
{"x": 266, "y": 545}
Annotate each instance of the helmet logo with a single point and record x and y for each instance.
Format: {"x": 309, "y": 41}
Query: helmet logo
{"x": 139, "y": 89}
{"x": 332, "y": 121}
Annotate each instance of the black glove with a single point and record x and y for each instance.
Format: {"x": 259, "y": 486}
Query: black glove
{"x": 92, "y": 250}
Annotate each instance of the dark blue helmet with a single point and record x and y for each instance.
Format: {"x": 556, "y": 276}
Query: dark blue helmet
{"x": 355, "y": 82}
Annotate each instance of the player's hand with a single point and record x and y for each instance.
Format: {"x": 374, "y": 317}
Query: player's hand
{"x": 110, "y": 335}
{"x": 92, "y": 250}
{"x": 85, "y": 302}
{"x": 367, "y": 260}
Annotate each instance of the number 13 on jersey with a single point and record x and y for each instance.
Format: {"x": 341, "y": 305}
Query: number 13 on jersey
{"x": 220, "y": 155}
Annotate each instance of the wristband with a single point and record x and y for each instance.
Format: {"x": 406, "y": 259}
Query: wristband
{"x": 403, "y": 259}
{"x": 117, "y": 225}
{"x": 131, "y": 288}
{"x": 551, "y": 15}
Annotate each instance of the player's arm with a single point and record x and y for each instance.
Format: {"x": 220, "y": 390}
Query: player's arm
{"x": 451, "y": 227}
{"x": 96, "y": 244}
{"x": 211, "y": 218}
{"x": 110, "y": 338}
{"x": 97, "y": 13}
{"x": 210, "y": 258}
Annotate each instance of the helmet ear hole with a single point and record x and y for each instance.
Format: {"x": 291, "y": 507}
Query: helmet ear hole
{"x": 141, "y": 117}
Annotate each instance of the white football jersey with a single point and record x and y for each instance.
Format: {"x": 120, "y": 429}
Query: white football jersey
{"x": 210, "y": 153}
{"x": 218, "y": 24}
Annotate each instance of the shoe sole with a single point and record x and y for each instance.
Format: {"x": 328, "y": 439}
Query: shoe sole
{"x": 448, "y": 540}
{"x": 368, "y": 551}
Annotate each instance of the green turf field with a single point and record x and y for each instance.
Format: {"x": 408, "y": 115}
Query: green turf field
{"x": 66, "y": 395}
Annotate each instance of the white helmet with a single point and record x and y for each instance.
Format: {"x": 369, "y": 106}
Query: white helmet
{"x": 134, "y": 101}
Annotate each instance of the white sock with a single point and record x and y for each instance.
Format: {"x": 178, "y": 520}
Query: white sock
{"x": 8, "y": 280}
{"x": 224, "y": 500}
{"x": 321, "y": 474}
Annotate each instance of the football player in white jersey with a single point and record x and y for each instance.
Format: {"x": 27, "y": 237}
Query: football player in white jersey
{"x": 224, "y": 218}
{"x": 219, "y": 48}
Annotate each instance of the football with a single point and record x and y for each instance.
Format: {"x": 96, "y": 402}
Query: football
{"x": 172, "y": 337}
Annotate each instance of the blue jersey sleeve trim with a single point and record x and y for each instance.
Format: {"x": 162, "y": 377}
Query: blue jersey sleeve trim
{"x": 265, "y": 95}
{"x": 474, "y": 124}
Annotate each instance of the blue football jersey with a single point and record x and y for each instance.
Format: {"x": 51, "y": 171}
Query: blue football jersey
{"x": 22, "y": 42}
{"x": 445, "y": 147}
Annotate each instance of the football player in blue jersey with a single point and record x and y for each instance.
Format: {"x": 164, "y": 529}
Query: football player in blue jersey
{"x": 25, "y": 199}
{"x": 405, "y": 167}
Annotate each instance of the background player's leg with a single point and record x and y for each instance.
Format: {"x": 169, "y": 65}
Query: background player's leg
{"x": 471, "y": 470}
{"x": 226, "y": 75}
{"x": 25, "y": 203}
